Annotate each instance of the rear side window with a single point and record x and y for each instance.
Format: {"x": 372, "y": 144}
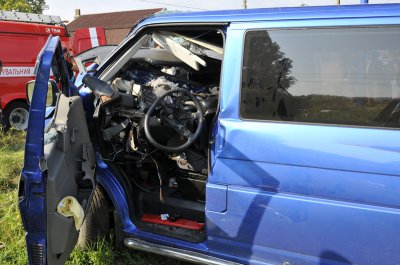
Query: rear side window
{"x": 334, "y": 76}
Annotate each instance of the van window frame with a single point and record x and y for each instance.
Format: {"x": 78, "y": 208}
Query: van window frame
{"x": 301, "y": 122}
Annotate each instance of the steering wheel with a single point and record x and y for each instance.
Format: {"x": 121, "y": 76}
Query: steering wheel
{"x": 176, "y": 115}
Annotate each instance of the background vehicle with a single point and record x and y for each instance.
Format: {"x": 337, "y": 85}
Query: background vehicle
{"x": 258, "y": 137}
{"x": 20, "y": 43}
{"x": 22, "y": 36}
{"x": 87, "y": 38}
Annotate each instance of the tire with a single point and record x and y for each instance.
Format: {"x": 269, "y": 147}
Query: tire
{"x": 118, "y": 234}
{"x": 96, "y": 225}
{"x": 16, "y": 115}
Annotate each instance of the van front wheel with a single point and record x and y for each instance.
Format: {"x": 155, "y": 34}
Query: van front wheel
{"x": 16, "y": 115}
{"x": 96, "y": 225}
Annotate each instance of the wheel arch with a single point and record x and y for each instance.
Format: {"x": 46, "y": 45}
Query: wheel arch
{"x": 7, "y": 98}
{"x": 116, "y": 193}
{"x": 110, "y": 203}
{"x": 6, "y": 104}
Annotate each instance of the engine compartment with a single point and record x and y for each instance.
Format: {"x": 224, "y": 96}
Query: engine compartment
{"x": 154, "y": 128}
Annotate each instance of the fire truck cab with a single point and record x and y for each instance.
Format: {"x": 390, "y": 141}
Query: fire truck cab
{"x": 22, "y": 36}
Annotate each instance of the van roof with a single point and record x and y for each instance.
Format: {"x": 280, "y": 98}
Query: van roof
{"x": 282, "y": 13}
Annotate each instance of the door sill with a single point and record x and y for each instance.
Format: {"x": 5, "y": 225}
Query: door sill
{"x": 176, "y": 253}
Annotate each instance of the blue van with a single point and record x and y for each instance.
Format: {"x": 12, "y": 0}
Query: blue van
{"x": 265, "y": 136}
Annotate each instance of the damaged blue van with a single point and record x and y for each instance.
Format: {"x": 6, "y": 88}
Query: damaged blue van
{"x": 265, "y": 136}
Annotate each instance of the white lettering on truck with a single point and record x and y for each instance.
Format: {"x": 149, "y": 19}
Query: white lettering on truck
{"x": 17, "y": 71}
{"x": 53, "y": 30}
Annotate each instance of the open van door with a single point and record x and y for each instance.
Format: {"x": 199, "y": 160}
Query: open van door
{"x": 59, "y": 165}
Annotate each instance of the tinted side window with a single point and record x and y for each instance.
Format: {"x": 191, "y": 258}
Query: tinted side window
{"x": 334, "y": 76}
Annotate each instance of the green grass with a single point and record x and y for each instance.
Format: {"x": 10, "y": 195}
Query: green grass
{"x": 12, "y": 241}
{"x": 12, "y": 235}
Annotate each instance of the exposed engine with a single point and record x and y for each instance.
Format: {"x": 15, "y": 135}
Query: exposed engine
{"x": 173, "y": 123}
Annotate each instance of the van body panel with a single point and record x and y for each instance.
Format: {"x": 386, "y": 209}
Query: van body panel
{"x": 298, "y": 192}
{"x": 257, "y": 224}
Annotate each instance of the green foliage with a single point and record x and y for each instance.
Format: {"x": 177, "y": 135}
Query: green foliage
{"x": 267, "y": 62}
{"x": 17, "y": 5}
{"x": 12, "y": 236}
{"x": 341, "y": 110}
{"x": 37, "y": 5}
{"x": 102, "y": 252}
{"x": 29, "y": 6}
{"x": 12, "y": 239}
{"x": 11, "y": 157}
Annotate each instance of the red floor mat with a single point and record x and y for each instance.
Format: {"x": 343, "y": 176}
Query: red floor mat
{"x": 179, "y": 222}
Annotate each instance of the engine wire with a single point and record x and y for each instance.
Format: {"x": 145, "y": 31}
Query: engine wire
{"x": 160, "y": 179}
{"x": 146, "y": 154}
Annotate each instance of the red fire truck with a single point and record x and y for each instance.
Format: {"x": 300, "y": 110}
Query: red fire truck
{"x": 22, "y": 36}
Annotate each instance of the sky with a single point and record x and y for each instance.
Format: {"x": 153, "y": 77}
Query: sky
{"x": 66, "y": 8}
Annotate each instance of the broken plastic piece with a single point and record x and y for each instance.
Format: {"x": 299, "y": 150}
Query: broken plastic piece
{"x": 204, "y": 44}
{"x": 123, "y": 85}
{"x": 178, "y": 50}
{"x": 69, "y": 206}
{"x": 164, "y": 216}
{"x": 136, "y": 90}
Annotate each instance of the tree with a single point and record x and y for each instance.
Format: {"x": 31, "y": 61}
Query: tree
{"x": 37, "y": 5}
{"x": 266, "y": 78}
{"x": 30, "y": 6}
{"x": 17, "y": 5}
{"x": 268, "y": 67}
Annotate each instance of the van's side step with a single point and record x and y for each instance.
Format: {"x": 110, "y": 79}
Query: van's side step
{"x": 185, "y": 255}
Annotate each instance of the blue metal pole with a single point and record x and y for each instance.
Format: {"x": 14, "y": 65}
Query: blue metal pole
{"x": 364, "y": 1}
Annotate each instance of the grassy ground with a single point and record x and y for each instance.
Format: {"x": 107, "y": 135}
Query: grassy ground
{"x": 12, "y": 241}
